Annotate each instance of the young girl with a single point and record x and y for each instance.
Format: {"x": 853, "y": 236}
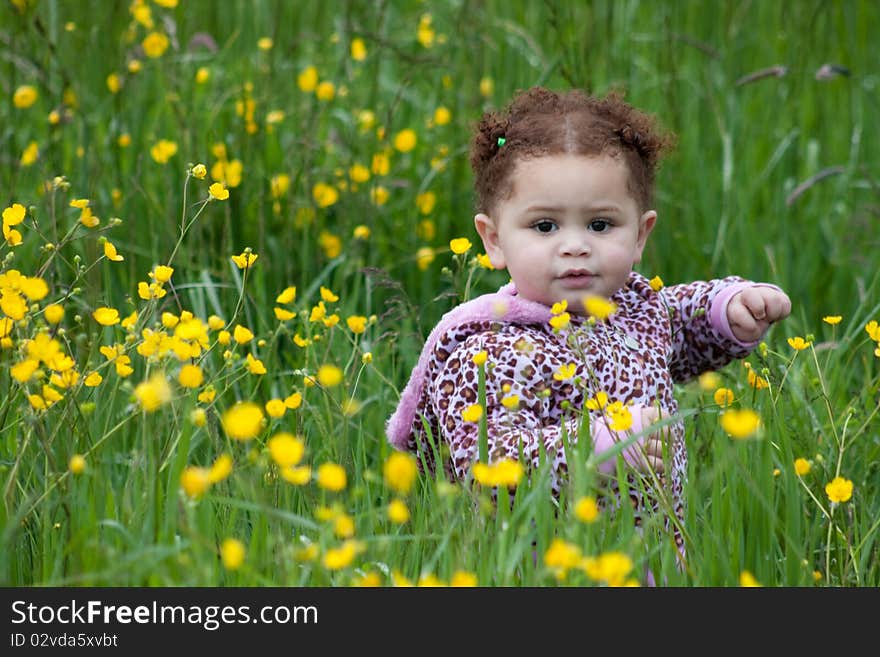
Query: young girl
{"x": 564, "y": 198}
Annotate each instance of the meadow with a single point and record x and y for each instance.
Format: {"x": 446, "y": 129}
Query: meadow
{"x": 228, "y": 228}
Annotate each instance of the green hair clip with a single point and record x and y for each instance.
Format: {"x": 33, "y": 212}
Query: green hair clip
{"x": 501, "y": 141}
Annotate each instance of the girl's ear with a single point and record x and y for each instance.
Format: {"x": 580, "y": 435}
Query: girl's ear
{"x": 488, "y": 232}
{"x": 646, "y": 225}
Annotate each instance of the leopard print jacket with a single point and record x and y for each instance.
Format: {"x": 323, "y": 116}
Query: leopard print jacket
{"x": 654, "y": 340}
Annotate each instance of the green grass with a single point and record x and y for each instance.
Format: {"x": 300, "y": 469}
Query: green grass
{"x": 743, "y": 149}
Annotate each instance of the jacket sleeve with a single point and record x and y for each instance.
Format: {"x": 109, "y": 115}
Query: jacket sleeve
{"x": 701, "y": 336}
{"x": 513, "y": 431}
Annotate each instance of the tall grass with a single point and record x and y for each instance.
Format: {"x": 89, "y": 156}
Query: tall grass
{"x": 726, "y": 204}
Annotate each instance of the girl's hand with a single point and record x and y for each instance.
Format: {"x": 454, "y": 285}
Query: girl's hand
{"x": 652, "y": 445}
{"x": 751, "y": 312}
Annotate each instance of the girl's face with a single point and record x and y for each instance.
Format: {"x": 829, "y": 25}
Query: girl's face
{"x": 568, "y": 230}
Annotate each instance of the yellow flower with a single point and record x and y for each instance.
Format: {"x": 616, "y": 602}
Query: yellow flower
{"x": 76, "y": 464}
{"x": 740, "y": 423}
{"x": 114, "y": 83}
{"x": 379, "y": 195}
{"x": 92, "y": 380}
{"x": 709, "y": 381}
{"x": 442, "y": 115}
{"x": 218, "y": 191}
{"x": 839, "y": 489}
{"x": 110, "y": 252}
{"x": 400, "y": 472}
{"x": 757, "y": 382}
{"x": 162, "y": 273}
{"x": 297, "y": 475}
{"x": 87, "y": 219}
{"x": 325, "y": 91}
{"x": 163, "y": 150}
{"x": 53, "y": 313}
{"x": 343, "y": 556}
{"x": 560, "y": 321}
{"x": 255, "y": 365}
{"x": 873, "y": 330}
{"x": 245, "y": 259}
{"x": 425, "y": 33}
{"x": 153, "y": 393}
{"x": 30, "y": 154}
{"x": 599, "y": 307}
{"x": 484, "y": 262}
{"x": 586, "y": 509}
{"x": 504, "y": 472}
{"x": 265, "y": 43}
{"x": 286, "y": 449}
{"x": 307, "y": 80}
{"x": 25, "y": 96}
{"x": 724, "y": 396}
{"x": 798, "y": 343}
{"x": 328, "y": 296}
{"x": 325, "y": 195}
{"x": 329, "y": 376}
{"x": 561, "y": 556}
{"x": 620, "y": 416}
{"x": 275, "y": 408}
{"x": 656, "y": 283}
{"x": 510, "y": 402}
{"x": 232, "y": 553}
{"x": 287, "y": 296}
{"x": 191, "y": 376}
{"x": 243, "y": 421}
{"x": 220, "y": 468}
{"x": 155, "y": 44}
{"x": 747, "y": 580}
{"x": 405, "y": 140}
{"x": 461, "y": 578}
{"x": 599, "y": 402}
{"x": 424, "y": 257}
{"x": 472, "y": 413}
{"x": 380, "y": 164}
{"x": 106, "y": 316}
{"x": 610, "y": 567}
{"x": 460, "y": 245}
{"x": 357, "y": 324}
{"x": 14, "y": 214}
{"x": 358, "y": 49}
{"x": 425, "y": 202}
{"x": 479, "y": 358}
{"x": 242, "y": 335}
{"x": 802, "y": 467}
{"x": 331, "y": 477}
{"x": 564, "y": 372}
{"x": 832, "y": 319}
{"x": 397, "y": 512}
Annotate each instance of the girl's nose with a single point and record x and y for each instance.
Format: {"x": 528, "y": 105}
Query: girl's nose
{"x": 575, "y": 244}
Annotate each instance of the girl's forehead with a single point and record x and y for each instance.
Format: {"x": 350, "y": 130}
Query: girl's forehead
{"x": 550, "y": 173}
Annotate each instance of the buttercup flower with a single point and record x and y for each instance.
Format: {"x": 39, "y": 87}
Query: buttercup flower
{"x": 798, "y": 343}
{"x": 155, "y": 44}
{"x": 586, "y": 509}
{"x": 802, "y": 467}
{"x": 106, "y": 316}
{"x": 245, "y": 259}
{"x": 472, "y": 413}
{"x": 243, "y": 421}
{"x": 232, "y": 553}
{"x": 398, "y": 513}
{"x": 832, "y": 319}
{"x": 599, "y": 307}
{"x": 218, "y": 191}
{"x": 460, "y": 245}
{"x": 331, "y": 476}
{"x": 25, "y": 96}
{"x": 740, "y": 423}
{"x": 839, "y": 490}
{"x": 400, "y": 472}
{"x": 405, "y": 140}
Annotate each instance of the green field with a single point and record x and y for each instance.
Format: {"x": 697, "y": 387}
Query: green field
{"x": 340, "y": 131}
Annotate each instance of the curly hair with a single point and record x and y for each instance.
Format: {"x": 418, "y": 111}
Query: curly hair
{"x": 540, "y": 122}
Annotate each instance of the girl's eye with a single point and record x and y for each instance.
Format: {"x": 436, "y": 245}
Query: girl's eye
{"x": 544, "y": 226}
{"x": 599, "y": 225}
